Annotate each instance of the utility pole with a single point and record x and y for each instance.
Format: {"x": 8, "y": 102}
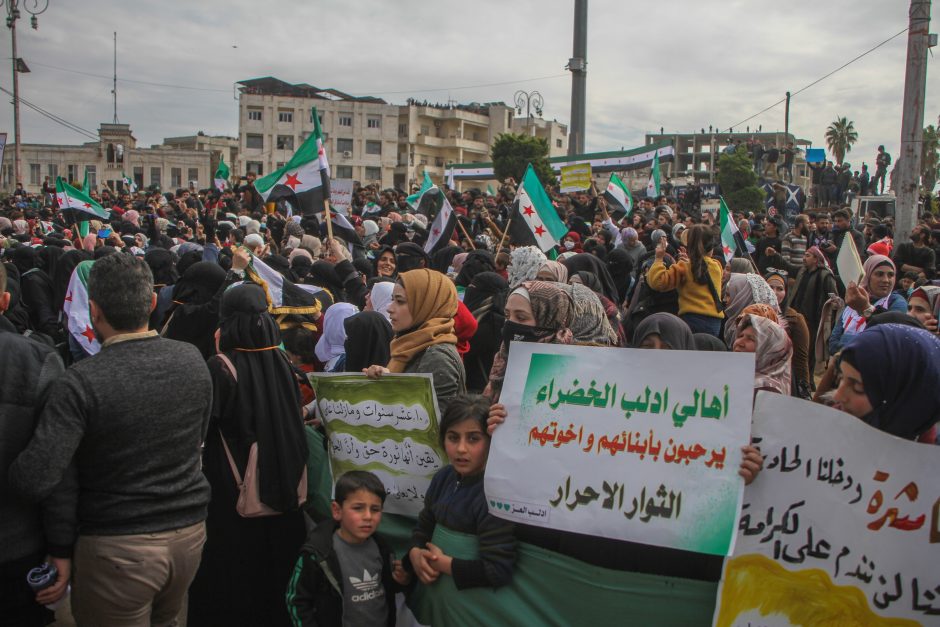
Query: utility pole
{"x": 17, "y": 163}
{"x": 577, "y": 65}
{"x": 907, "y": 180}
{"x": 786, "y": 118}
{"x": 114, "y": 88}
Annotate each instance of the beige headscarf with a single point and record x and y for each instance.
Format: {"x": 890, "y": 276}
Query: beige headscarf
{"x": 432, "y": 300}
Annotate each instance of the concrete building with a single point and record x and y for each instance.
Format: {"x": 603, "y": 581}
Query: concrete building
{"x": 274, "y": 118}
{"x": 218, "y": 146}
{"x": 696, "y": 156}
{"x": 115, "y": 152}
{"x": 369, "y": 140}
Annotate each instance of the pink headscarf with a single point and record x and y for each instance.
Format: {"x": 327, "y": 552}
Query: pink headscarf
{"x": 89, "y": 241}
{"x": 820, "y": 256}
{"x": 395, "y": 217}
{"x": 131, "y": 216}
{"x": 458, "y": 261}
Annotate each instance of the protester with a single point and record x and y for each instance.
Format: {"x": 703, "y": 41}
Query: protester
{"x": 368, "y": 338}
{"x": 797, "y": 331}
{"x": 141, "y": 494}
{"x": 255, "y": 402}
{"x": 873, "y": 295}
{"x": 744, "y": 290}
{"x": 764, "y": 337}
{"x": 924, "y": 305}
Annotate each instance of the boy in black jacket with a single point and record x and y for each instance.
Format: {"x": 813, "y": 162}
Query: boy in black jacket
{"x": 345, "y": 574}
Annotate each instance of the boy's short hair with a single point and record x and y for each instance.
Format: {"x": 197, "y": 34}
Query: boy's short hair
{"x": 355, "y": 480}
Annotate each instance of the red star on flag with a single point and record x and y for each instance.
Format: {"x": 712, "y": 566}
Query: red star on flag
{"x": 89, "y": 333}
{"x": 87, "y": 206}
{"x": 292, "y": 181}
{"x": 528, "y": 210}
{"x": 437, "y": 232}
{"x": 540, "y": 230}
{"x": 727, "y": 250}
{"x": 68, "y": 297}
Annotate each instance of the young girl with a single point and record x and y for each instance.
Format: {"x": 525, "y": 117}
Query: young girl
{"x": 455, "y": 500}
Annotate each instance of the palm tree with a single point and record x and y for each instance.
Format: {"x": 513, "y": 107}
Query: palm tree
{"x": 840, "y": 136}
{"x": 930, "y": 159}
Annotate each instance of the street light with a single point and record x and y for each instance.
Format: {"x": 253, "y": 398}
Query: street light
{"x": 529, "y": 100}
{"x": 34, "y": 8}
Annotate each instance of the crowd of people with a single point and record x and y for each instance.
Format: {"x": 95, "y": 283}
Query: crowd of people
{"x": 128, "y": 427}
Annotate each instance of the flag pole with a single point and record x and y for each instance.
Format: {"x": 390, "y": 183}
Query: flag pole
{"x": 505, "y": 233}
{"x": 329, "y": 218}
{"x": 467, "y": 235}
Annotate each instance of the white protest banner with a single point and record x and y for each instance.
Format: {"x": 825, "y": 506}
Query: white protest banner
{"x": 841, "y": 527}
{"x": 848, "y": 263}
{"x": 630, "y": 444}
{"x": 388, "y": 426}
{"x": 575, "y": 178}
{"x": 341, "y": 195}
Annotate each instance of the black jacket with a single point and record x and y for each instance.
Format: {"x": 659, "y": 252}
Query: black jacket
{"x": 28, "y": 371}
{"x": 315, "y": 592}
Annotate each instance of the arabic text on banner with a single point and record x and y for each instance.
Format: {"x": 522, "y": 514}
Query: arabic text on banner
{"x": 387, "y": 426}
{"x": 575, "y": 178}
{"x": 622, "y": 443}
{"x": 341, "y": 195}
{"x": 842, "y": 526}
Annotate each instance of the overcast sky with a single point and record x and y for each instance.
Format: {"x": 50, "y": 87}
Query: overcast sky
{"x": 681, "y": 64}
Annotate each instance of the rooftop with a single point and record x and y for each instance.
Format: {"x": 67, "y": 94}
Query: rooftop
{"x": 270, "y": 86}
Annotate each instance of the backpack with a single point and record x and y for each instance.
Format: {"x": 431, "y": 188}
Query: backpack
{"x": 249, "y": 503}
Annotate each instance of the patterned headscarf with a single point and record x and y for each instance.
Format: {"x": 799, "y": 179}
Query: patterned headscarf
{"x": 589, "y": 324}
{"x": 556, "y": 270}
{"x": 743, "y": 290}
{"x": 774, "y": 351}
{"x": 525, "y": 265}
{"x": 762, "y": 310}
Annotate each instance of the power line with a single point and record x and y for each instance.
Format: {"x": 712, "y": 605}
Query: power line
{"x": 818, "y": 80}
{"x": 421, "y": 91}
{"x": 53, "y": 117}
{"x": 129, "y": 80}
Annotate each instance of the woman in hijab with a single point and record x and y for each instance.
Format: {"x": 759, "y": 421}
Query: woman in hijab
{"x": 368, "y": 338}
{"x": 798, "y": 332}
{"x": 477, "y": 262}
{"x": 583, "y": 283}
{"x": 924, "y": 305}
{"x": 37, "y": 292}
{"x": 874, "y": 294}
{"x": 486, "y": 299}
{"x": 323, "y": 275}
{"x": 385, "y": 264}
{"x": 743, "y": 290}
{"x": 424, "y": 303}
{"x": 524, "y": 265}
{"x": 586, "y": 262}
{"x": 193, "y": 315}
{"x": 165, "y": 275}
{"x": 397, "y": 233}
{"x": 331, "y": 345}
{"x": 889, "y": 380}
{"x": 809, "y": 295}
{"x": 571, "y": 242}
{"x": 16, "y": 313}
{"x": 63, "y": 274}
{"x": 380, "y": 296}
{"x": 773, "y": 350}
{"x": 710, "y": 343}
{"x": 442, "y": 259}
{"x": 410, "y": 256}
{"x": 664, "y": 331}
{"x": 536, "y": 311}
{"x": 620, "y": 267}
{"x": 554, "y": 271}
{"x": 255, "y": 400}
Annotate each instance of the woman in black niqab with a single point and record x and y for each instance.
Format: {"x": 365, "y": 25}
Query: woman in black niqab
{"x": 193, "y": 316}
{"x": 368, "y": 339}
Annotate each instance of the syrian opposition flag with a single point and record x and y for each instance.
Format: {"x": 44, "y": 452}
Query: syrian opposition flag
{"x": 450, "y": 180}
{"x": 77, "y": 316}
{"x": 619, "y": 198}
{"x": 221, "y": 175}
{"x": 344, "y": 230}
{"x": 534, "y": 221}
{"x": 442, "y": 229}
{"x": 70, "y": 198}
{"x": 652, "y": 187}
{"x": 415, "y": 198}
{"x": 305, "y": 177}
{"x": 129, "y": 183}
{"x": 728, "y": 231}
{"x": 284, "y": 296}
{"x": 371, "y": 210}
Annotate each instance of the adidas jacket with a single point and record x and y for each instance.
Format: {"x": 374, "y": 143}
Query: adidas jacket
{"x": 315, "y": 594}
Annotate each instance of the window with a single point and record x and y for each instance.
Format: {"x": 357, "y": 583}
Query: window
{"x": 374, "y": 121}
{"x": 34, "y": 172}
{"x": 279, "y": 165}
{"x": 176, "y": 177}
{"x": 192, "y": 175}
{"x": 155, "y": 177}
{"x": 285, "y": 116}
{"x": 92, "y": 171}
{"x": 476, "y": 136}
{"x": 373, "y": 148}
{"x": 139, "y": 176}
{"x": 425, "y": 129}
{"x": 53, "y": 171}
{"x": 254, "y": 167}
{"x": 344, "y": 171}
{"x": 557, "y": 143}
{"x": 72, "y": 171}
{"x": 438, "y": 161}
{"x": 373, "y": 174}
{"x": 402, "y": 130}
{"x": 254, "y": 141}
{"x": 344, "y": 145}
{"x": 345, "y": 119}
{"x": 254, "y": 115}
{"x": 285, "y": 142}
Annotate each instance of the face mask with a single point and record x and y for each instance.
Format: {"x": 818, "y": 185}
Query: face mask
{"x": 515, "y": 332}
{"x": 569, "y": 245}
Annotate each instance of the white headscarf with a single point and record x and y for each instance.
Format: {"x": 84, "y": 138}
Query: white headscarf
{"x": 381, "y": 296}
{"x": 331, "y": 344}
{"x": 525, "y": 265}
